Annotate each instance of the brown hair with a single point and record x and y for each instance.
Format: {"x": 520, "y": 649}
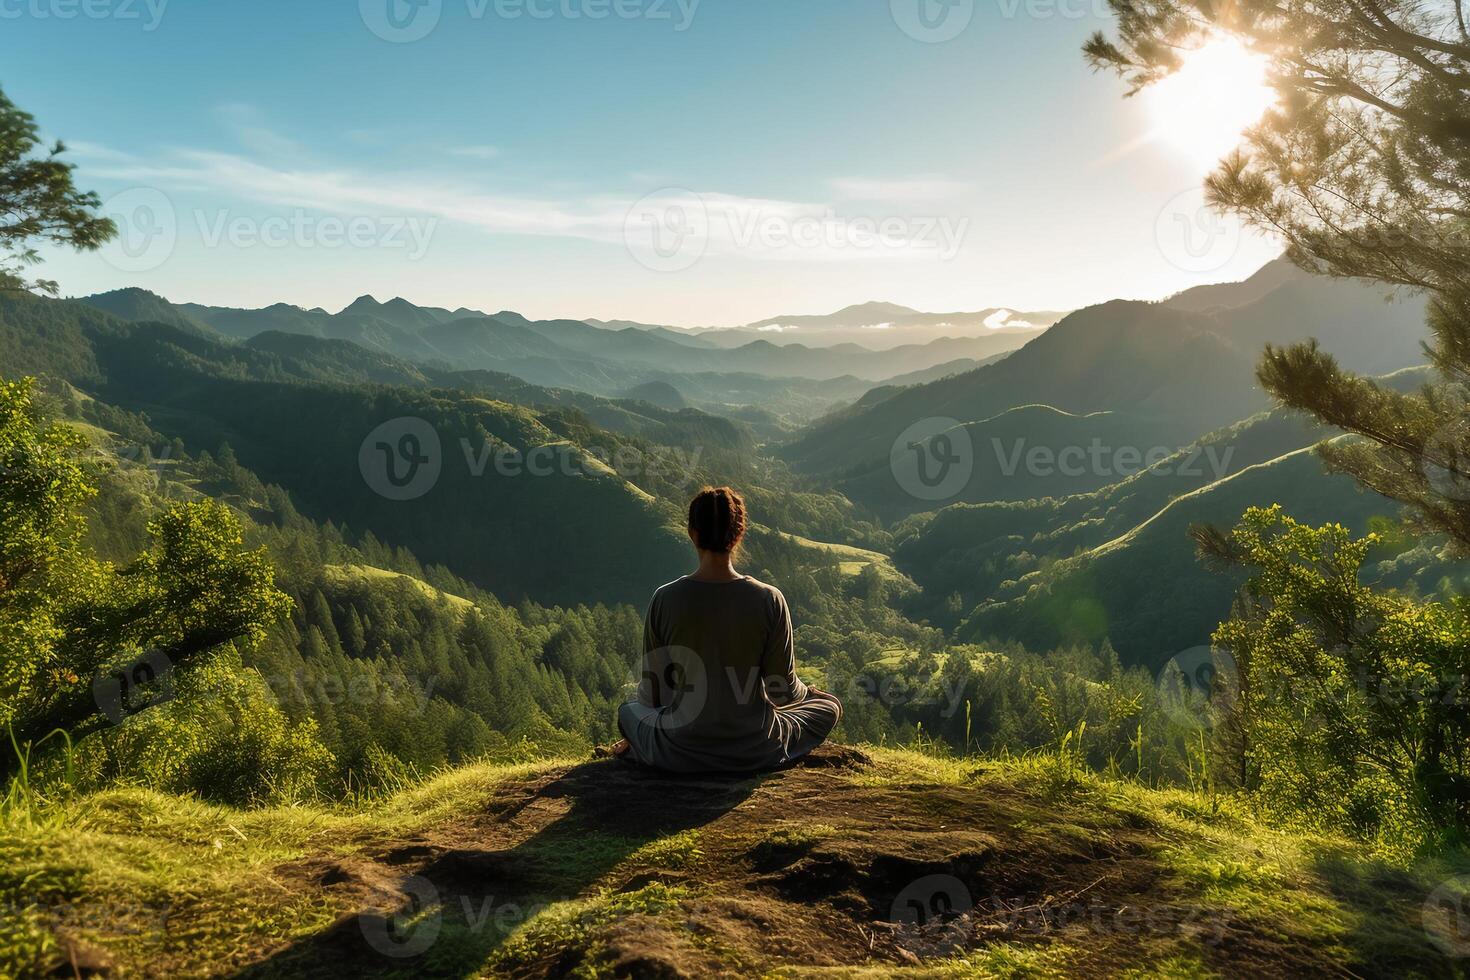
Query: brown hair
{"x": 717, "y": 519}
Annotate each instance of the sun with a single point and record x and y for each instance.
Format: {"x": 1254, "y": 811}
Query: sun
{"x": 1202, "y": 109}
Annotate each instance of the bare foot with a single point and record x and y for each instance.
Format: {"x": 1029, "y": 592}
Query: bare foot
{"x": 620, "y": 748}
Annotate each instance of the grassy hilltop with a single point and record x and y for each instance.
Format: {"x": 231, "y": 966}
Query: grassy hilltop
{"x": 861, "y": 863}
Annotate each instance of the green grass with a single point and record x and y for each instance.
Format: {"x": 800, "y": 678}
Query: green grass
{"x": 367, "y": 573}
{"x": 143, "y": 854}
{"x": 123, "y": 860}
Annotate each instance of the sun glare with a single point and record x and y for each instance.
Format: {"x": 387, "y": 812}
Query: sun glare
{"x": 1203, "y": 108}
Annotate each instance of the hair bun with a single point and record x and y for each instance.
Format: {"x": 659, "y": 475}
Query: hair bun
{"x": 717, "y": 519}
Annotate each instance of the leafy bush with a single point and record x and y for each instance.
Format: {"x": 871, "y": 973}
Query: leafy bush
{"x": 1352, "y": 704}
{"x": 149, "y": 645}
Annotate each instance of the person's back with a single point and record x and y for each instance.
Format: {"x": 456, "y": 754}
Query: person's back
{"x": 718, "y": 689}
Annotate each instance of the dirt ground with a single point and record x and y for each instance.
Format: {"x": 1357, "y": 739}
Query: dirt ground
{"x": 807, "y": 870}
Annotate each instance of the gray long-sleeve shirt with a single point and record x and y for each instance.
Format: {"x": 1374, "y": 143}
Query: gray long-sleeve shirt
{"x": 718, "y": 659}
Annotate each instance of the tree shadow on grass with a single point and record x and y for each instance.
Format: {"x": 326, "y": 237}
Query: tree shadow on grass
{"x": 449, "y": 908}
{"x": 1400, "y": 927}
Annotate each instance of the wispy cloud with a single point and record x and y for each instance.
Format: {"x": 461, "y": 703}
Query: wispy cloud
{"x": 476, "y": 152}
{"x": 752, "y": 227}
{"x": 901, "y": 190}
{"x": 248, "y": 125}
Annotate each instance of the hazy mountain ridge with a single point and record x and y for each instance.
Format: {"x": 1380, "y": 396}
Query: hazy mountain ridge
{"x": 874, "y": 326}
{"x": 571, "y": 353}
{"x": 1193, "y": 371}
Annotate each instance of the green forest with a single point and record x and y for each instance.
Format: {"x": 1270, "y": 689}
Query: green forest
{"x": 314, "y": 626}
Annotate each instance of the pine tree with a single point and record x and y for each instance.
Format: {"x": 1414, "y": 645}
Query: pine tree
{"x": 1364, "y": 170}
{"x": 39, "y": 203}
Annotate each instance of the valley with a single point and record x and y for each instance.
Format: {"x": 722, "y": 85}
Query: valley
{"x": 661, "y": 490}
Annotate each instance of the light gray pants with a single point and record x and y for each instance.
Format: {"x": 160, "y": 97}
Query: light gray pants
{"x": 800, "y": 727}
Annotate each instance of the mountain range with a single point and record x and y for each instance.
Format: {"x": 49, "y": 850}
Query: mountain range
{"x": 1171, "y": 371}
{"x": 601, "y": 359}
{"x": 1041, "y": 555}
{"x": 875, "y": 325}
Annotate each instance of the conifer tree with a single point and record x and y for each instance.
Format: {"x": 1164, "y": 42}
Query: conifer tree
{"x": 39, "y": 202}
{"x": 1363, "y": 169}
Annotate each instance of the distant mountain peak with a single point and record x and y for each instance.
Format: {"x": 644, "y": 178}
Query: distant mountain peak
{"x": 135, "y": 292}
{"x": 878, "y": 308}
{"x": 364, "y": 303}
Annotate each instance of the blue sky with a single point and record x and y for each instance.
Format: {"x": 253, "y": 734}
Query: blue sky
{"x": 674, "y": 161}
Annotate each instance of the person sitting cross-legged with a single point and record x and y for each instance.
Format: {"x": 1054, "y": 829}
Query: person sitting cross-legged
{"x": 719, "y": 691}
